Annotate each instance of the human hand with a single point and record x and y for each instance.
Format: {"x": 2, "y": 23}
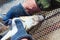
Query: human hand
{"x": 31, "y": 6}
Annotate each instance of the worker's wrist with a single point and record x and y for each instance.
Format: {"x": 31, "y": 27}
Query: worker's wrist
{"x": 31, "y": 6}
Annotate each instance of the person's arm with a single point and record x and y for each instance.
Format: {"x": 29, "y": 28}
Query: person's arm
{"x": 21, "y": 32}
{"x": 24, "y": 9}
{"x": 17, "y": 31}
{"x": 15, "y": 11}
{"x": 27, "y": 8}
{"x": 21, "y": 10}
{"x": 31, "y": 6}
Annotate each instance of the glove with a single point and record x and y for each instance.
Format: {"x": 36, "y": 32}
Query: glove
{"x": 21, "y": 33}
{"x": 15, "y": 11}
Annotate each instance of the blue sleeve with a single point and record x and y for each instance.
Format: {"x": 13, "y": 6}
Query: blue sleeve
{"x": 21, "y": 33}
{"x": 15, "y": 11}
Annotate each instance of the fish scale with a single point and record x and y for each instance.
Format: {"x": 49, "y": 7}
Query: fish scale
{"x": 50, "y": 24}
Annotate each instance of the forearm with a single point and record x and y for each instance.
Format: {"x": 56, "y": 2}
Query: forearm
{"x": 31, "y": 6}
